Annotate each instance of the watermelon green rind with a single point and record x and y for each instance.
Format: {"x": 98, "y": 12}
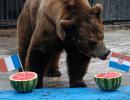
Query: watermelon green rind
{"x": 119, "y": 82}
{"x": 24, "y": 85}
{"x": 108, "y": 84}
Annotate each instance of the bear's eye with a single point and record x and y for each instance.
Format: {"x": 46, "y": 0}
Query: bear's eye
{"x": 92, "y": 41}
{"x": 91, "y": 36}
{"x": 92, "y": 44}
{"x": 71, "y": 28}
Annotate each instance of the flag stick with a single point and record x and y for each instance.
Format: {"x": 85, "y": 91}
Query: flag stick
{"x": 20, "y": 63}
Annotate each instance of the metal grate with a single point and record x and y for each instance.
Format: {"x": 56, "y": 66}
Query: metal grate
{"x": 115, "y": 11}
{"x": 9, "y": 12}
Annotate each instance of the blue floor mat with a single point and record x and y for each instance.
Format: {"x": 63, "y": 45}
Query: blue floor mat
{"x": 122, "y": 93}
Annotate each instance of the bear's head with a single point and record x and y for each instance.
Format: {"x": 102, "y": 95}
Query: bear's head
{"x": 83, "y": 27}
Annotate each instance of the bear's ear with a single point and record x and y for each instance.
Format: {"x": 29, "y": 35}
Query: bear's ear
{"x": 63, "y": 24}
{"x": 66, "y": 23}
{"x": 69, "y": 2}
{"x": 97, "y": 9}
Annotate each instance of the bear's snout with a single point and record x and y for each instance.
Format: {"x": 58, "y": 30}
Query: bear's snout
{"x": 104, "y": 56}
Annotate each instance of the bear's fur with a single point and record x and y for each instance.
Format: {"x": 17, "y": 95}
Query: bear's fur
{"x": 46, "y": 27}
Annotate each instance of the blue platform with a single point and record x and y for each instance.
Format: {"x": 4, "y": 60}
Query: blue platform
{"x": 122, "y": 93}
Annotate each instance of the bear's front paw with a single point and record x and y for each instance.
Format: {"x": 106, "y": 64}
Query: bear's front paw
{"x": 76, "y": 84}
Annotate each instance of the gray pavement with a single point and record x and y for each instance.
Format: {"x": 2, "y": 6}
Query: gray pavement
{"x": 117, "y": 41}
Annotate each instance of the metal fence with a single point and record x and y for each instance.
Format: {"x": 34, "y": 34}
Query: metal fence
{"x": 9, "y": 11}
{"x": 115, "y": 11}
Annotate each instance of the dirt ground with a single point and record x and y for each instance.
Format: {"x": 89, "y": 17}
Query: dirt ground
{"x": 117, "y": 41}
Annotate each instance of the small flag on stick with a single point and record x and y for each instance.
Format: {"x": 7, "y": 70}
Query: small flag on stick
{"x": 10, "y": 63}
{"x": 119, "y": 61}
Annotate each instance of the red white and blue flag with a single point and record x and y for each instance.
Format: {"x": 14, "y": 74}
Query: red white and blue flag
{"x": 119, "y": 61}
{"x": 10, "y": 63}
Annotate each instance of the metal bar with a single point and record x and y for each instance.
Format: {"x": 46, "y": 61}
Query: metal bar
{"x": 0, "y": 9}
{"x": 17, "y": 7}
{"x": 11, "y": 4}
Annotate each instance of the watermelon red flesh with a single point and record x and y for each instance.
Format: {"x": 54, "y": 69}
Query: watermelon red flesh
{"x": 24, "y": 81}
{"x": 108, "y": 82}
{"x": 108, "y": 75}
{"x": 23, "y": 76}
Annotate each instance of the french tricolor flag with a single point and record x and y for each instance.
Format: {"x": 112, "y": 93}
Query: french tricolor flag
{"x": 119, "y": 61}
{"x": 10, "y": 63}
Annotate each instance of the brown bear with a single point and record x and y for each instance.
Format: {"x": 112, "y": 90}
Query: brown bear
{"x": 46, "y": 27}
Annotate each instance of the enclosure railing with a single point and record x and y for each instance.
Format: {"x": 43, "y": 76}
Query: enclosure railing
{"x": 115, "y": 11}
{"x": 9, "y": 12}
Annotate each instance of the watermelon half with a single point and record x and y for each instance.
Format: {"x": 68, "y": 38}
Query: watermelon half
{"x": 24, "y": 81}
{"x": 108, "y": 81}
